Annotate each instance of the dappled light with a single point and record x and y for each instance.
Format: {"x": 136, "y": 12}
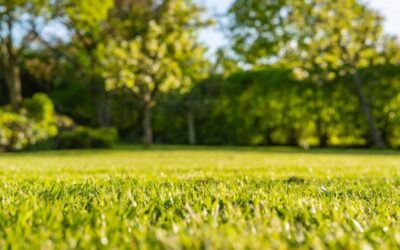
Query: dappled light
{"x": 171, "y": 124}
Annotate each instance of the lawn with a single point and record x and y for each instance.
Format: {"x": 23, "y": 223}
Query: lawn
{"x": 200, "y": 198}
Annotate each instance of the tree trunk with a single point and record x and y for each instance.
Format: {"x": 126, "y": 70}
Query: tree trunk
{"x": 107, "y": 110}
{"x": 191, "y": 127}
{"x": 292, "y": 139}
{"x": 321, "y": 132}
{"x": 10, "y": 64}
{"x": 13, "y": 79}
{"x": 103, "y": 109}
{"x": 366, "y": 109}
{"x": 147, "y": 125}
{"x": 323, "y": 140}
{"x": 100, "y": 100}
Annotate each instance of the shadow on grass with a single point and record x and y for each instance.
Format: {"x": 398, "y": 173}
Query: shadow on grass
{"x": 233, "y": 149}
{"x": 261, "y": 149}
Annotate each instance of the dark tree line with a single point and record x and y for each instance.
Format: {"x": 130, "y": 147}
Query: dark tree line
{"x": 319, "y": 73}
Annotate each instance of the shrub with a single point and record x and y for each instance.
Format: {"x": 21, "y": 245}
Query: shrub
{"x": 83, "y": 137}
{"x": 15, "y": 131}
{"x": 64, "y": 122}
{"x": 39, "y": 108}
{"x": 33, "y": 123}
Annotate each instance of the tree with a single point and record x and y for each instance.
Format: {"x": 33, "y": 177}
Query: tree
{"x": 224, "y": 63}
{"x": 323, "y": 40}
{"x": 86, "y": 22}
{"x": 164, "y": 56}
{"x": 20, "y": 22}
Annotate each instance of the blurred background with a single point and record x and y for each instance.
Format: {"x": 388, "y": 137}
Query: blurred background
{"x": 90, "y": 73}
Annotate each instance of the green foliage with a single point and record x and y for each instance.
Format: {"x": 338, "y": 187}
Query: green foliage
{"x": 220, "y": 198}
{"x": 34, "y": 122}
{"x": 264, "y": 107}
{"x": 85, "y": 15}
{"x": 74, "y": 99}
{"x": 142, "y": 66}
{"x": 23, "y": 11}
{"x": 87, "y": 20}
{"x": 15, "y": 131}
{"x": 39, "y": 108}
{"x": 251, "y": 108}
{"x": 323, "y": 41}
{"x": 147, "y": 53}
{"x": 83, "y": 137}
{"x": 324, "y": 38}
{"x": 166, "y": 55}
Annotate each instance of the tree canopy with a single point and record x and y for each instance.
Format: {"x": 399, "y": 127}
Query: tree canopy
{"x": 300, "y": 73}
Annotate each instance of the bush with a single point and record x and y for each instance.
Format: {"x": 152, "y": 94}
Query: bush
{"x": 15, "y": 131}
{"x": 83, "y": 137}
{"x": 33, "y": 123}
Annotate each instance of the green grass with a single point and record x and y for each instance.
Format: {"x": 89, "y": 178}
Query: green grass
{"x": 200, "y": 198}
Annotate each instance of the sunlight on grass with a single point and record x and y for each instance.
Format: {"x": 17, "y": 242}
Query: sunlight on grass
{"x": 223, "y": 198}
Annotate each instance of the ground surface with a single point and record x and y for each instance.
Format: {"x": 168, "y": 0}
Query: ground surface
{"x": 200, "y": 198}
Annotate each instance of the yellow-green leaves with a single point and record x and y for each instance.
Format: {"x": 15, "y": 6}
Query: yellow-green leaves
{"x": 317, "y": 35}
{"x": 140, "y": 65}
{"x": 165, "y": 56}
{"x": 86, "y": 14}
